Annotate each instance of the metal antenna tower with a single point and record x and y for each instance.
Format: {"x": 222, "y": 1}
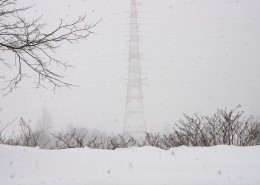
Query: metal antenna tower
{"x": 134, "y": 112}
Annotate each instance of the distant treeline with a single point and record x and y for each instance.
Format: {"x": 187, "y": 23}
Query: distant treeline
{"x": 225, "y": 127}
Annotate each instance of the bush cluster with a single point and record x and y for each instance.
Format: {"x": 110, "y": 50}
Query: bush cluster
{"x": 223, "y": 128}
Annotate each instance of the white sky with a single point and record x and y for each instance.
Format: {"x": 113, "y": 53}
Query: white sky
{"x": 197, "y": 56}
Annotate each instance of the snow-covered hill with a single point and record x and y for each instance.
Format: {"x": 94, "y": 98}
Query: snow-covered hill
{"x": 221, "y": 165}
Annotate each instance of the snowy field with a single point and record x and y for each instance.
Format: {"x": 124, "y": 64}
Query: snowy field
{"x": 222, "y": 165}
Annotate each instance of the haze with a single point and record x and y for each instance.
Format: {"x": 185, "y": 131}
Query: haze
{"x": 197, "y": 56}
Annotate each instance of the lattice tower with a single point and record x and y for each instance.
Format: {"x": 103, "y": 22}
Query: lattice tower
{"x": 134, "y": 112}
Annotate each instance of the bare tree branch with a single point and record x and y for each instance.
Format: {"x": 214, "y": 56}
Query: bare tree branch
{"x": 35, "y": 47}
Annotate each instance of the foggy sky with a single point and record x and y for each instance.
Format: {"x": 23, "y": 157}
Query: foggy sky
{"x": 197, "y": 56}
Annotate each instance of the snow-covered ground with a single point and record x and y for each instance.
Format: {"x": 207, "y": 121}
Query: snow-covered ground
{"x": 222, "y": 165}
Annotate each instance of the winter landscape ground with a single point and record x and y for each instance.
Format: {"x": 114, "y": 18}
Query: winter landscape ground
{"x": 181, "y": 61}
{"x": 219, "y": 165}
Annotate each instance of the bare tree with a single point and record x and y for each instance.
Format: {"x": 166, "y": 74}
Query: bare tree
{"x": 45, "y": 122}
{"x": 33, "y": 46}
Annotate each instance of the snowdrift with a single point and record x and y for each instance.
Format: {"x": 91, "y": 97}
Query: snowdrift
{"x": 220, "y": 165}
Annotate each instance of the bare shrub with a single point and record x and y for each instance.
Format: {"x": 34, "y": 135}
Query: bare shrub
{"x": 154, "y": 139}
{"x": 27, "y": 136}
{"x": 224, "y": 127}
